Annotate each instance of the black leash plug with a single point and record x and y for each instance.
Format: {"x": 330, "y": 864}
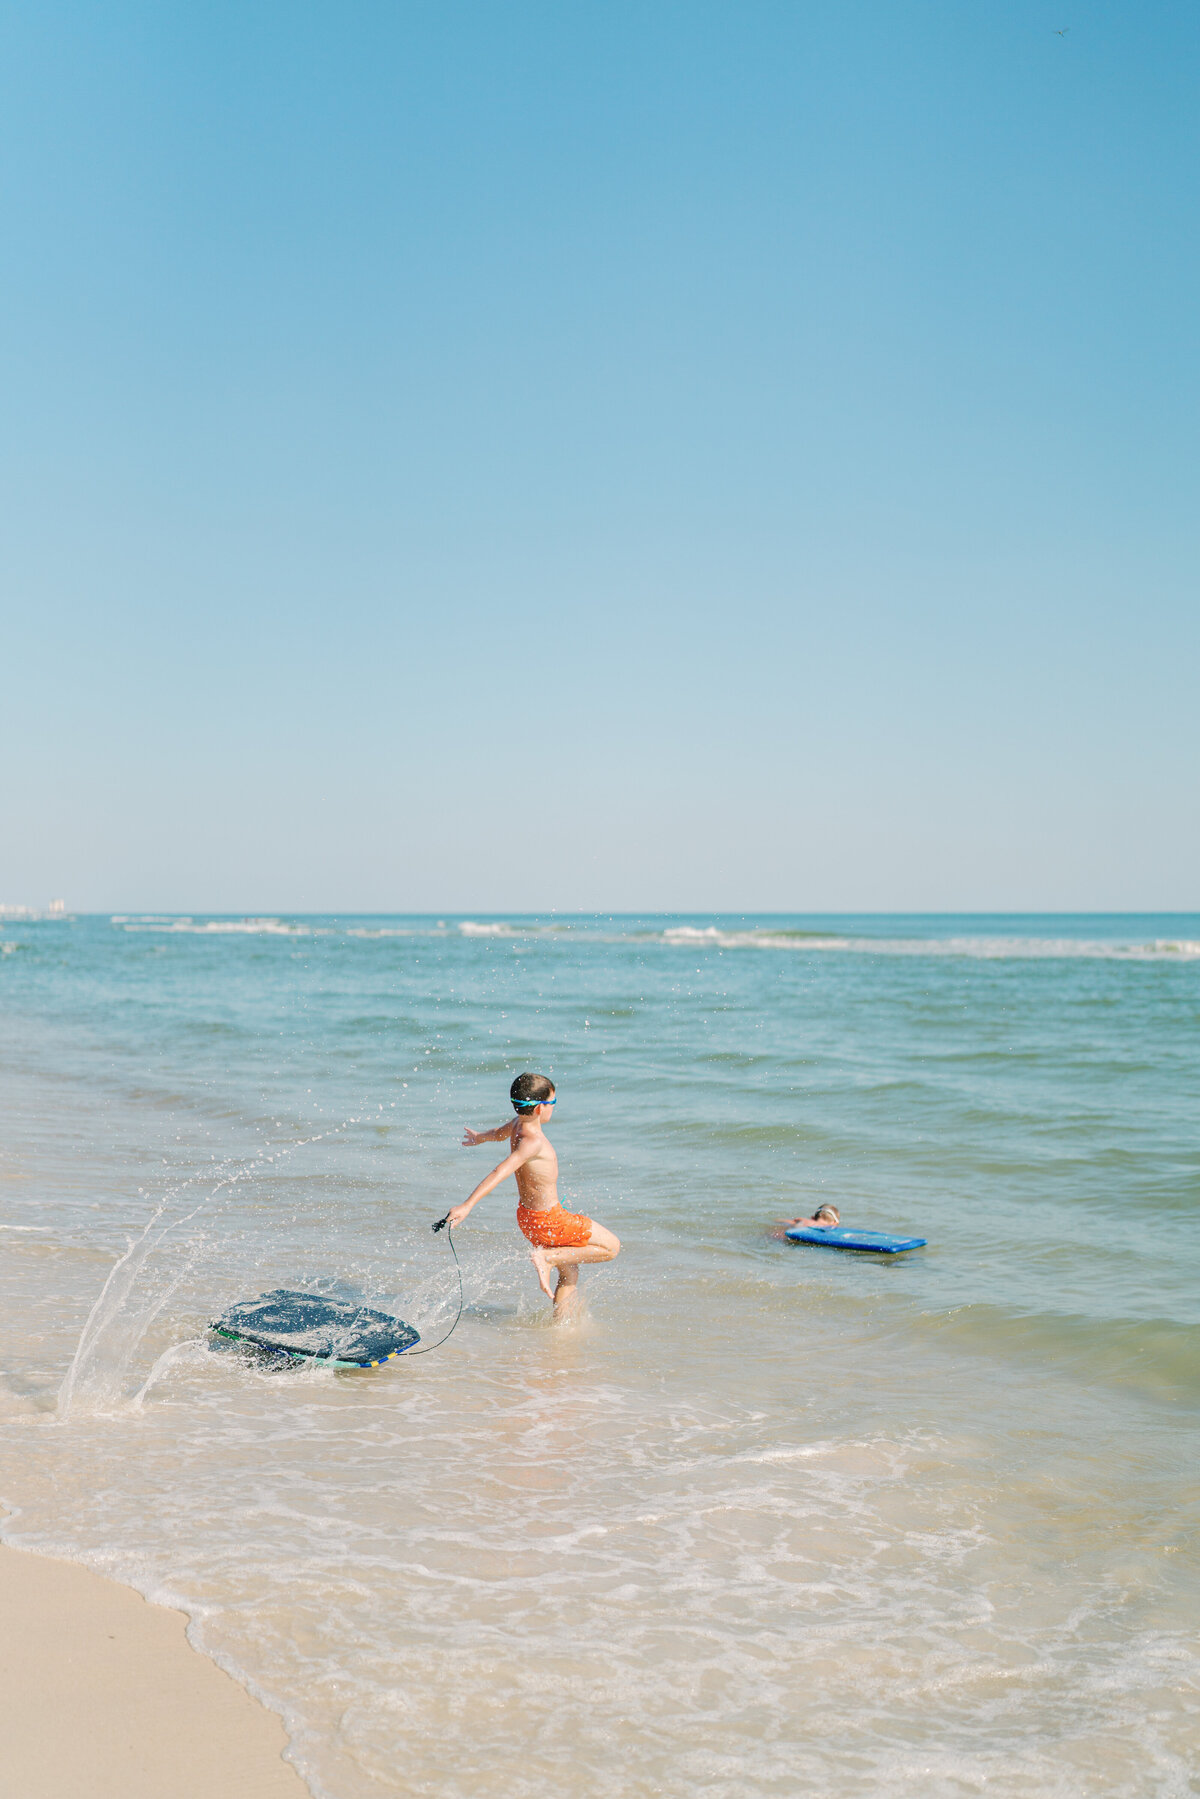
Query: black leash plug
{"x": 441, "y": 1223}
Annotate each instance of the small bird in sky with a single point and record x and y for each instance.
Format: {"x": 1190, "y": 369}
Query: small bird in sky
{"x": 1063, "y": 32}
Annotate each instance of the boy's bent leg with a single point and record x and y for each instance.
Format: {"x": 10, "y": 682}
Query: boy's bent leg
{"x": 592, "y": 1252}
{"x": 604, "y": 1239}
{"x": 546, "y": 1260}
{"x": 602, "y": 1246}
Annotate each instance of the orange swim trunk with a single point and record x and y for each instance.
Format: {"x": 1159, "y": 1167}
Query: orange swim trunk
{"x": 555, "y": 1229}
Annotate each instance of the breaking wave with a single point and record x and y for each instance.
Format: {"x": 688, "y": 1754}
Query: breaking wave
{"x": 1022, "y": 949}
{"x": 224, "y": 927}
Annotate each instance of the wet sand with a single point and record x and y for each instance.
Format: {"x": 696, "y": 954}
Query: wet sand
{"x": 101, "y": 1694}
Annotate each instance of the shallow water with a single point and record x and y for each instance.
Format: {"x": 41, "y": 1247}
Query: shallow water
{"x": 768, "y": 1519}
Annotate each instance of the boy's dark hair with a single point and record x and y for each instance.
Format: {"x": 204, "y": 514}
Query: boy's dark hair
{"x": 529, "y": 1090}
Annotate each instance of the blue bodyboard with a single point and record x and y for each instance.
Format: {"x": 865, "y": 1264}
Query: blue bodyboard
{"x": 878, "y": 1241}
{"x": 309, "y": 1327}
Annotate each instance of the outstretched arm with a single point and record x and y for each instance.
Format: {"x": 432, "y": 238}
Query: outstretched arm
{"x": 471, "y": 1138}
{"x": 501, "y": 1172}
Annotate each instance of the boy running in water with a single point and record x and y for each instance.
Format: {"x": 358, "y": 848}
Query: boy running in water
{"x": 557, "y": 1239}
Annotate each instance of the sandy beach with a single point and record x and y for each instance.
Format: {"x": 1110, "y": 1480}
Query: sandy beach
{"x": 101, "y": 1694}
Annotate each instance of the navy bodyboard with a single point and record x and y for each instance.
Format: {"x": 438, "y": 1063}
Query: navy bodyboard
{"x": 878, "y": 1241}
{"x": 313, "y": 1328}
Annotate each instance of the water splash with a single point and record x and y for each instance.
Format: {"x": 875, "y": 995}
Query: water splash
{"x": 115, "y": 1328}
{"x": 117, "y": 1324}
{"x": 189, "y": 1350}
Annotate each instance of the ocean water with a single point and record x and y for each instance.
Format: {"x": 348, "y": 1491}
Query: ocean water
{"x": 766, "y": 1520}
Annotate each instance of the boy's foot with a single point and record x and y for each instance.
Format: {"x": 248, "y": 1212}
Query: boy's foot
{"x": 541, "y": 1268}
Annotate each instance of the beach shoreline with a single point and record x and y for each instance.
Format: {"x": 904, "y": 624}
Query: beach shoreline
{"x": 947, "y": 1497}
{"x": 101, "y": 1693}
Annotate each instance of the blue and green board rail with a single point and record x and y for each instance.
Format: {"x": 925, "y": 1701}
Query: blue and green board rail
{"x": 877, "y": 1241}
{"x": 310, "y": 1327}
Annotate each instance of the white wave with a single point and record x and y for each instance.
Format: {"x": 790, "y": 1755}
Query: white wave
{"x": 981, "y": 948}
{"x": 226, "y": 927}
{"x": 1029, "y": 949}
{"x": 468, "y": 929}
{"x": 691, "y": 936}
{"x": 977, "y": 948}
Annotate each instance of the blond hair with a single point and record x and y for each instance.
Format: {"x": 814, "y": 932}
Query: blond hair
{"x": 828, "y": 1212}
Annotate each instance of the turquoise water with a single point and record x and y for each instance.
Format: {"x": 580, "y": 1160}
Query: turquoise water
{"x": 768, "y": 1519}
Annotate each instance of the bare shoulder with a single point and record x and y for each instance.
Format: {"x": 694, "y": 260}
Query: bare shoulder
{"x": 528, "y": 1136}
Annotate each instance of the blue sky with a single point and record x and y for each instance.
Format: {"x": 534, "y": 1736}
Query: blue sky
{"x": 599, "y": 456}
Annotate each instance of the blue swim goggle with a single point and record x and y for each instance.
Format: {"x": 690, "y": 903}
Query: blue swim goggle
{"x": 526, "y": 1104}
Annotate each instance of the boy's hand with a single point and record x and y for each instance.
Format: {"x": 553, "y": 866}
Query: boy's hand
{"x": 456, "y": 1214}
{"x": 471, "y": 1138}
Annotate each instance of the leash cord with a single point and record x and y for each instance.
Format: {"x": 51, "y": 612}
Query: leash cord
{"x": 459, "y": 1313}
